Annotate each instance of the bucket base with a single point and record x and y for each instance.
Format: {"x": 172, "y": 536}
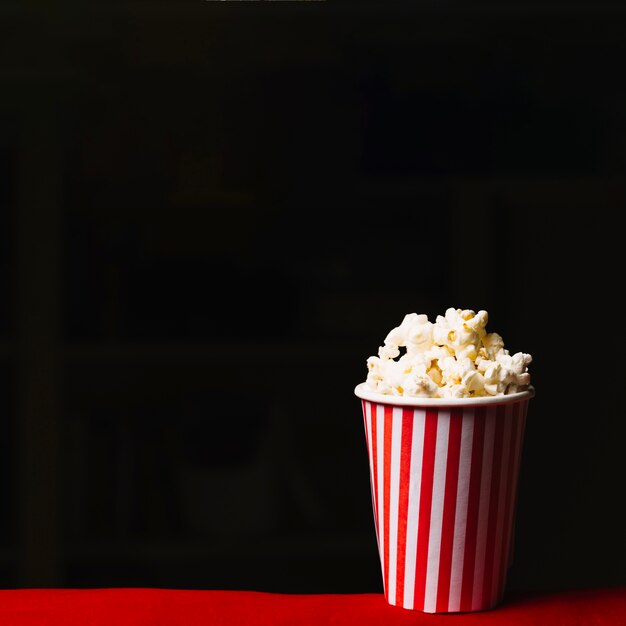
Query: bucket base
{"x": 428, "y": 609}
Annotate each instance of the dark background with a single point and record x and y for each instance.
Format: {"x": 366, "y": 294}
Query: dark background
{"x": 212, "y": 214}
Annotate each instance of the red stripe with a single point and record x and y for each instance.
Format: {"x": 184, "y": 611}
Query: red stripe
{"x": 364, "y": 406}
{"x": 510, "y": 490}
{"x": 367, "y": 441}
{"x": 493, "y": 504}
{"x": 387, "y": 486}
{"x": 426, "y": 499}
{"x": 449, "y": 510}
{"x": 403, "y": 499}
{"x": 473, "y": 500}
{"x": 375, "y": 465}
{"x": 518, "y": 454}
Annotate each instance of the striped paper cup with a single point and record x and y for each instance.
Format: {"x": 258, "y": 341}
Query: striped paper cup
{"x": 444, "y": 476}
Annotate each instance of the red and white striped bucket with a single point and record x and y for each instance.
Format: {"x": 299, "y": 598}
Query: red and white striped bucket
{"x": 444, "y": 476}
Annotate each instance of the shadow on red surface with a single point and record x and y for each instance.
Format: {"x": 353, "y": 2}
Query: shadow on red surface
{"x": 138, "y": 606}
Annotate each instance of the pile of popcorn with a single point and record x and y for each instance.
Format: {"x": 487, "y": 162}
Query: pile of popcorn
{"x": 453, "y": 358}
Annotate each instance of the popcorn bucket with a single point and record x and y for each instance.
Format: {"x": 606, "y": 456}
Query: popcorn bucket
{"x": 444, "y": 476}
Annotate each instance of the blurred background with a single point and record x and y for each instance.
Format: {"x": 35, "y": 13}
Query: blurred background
{"x": 211, "y": 214}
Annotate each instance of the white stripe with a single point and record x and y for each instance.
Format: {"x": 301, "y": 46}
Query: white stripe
{"x": 462, "y": 502}
{"x": 504, "y": 473}
{"x": 380, "y": 453}
{"x": 436, "y": 516}
{"x": 483, "y": 509}
{"x": 394, "y": 496}
{"x": 415, "y": 484}
{"x": 368, "y": 421}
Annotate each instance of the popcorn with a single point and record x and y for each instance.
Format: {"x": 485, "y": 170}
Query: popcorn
{"x": 453, "y": 358}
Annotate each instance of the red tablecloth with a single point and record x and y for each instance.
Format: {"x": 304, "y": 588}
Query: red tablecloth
{"x": 121, "y": 607}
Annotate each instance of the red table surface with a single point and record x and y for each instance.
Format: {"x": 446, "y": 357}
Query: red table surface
{"x": 139, "y": 606}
